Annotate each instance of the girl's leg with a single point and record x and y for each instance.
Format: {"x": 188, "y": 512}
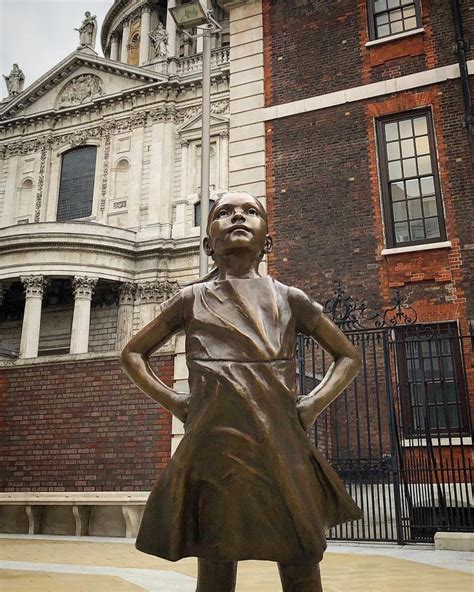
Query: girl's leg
{"x": 216, "y": 576}
{"x": 300, "y": 577}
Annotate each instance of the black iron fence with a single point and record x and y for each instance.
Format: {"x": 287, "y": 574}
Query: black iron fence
{"x": 400, "y": 435}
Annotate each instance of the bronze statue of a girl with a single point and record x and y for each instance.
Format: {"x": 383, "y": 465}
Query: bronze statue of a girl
{"x": 245, "y": 481}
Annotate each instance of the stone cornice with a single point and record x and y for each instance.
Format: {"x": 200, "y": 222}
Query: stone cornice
{"x": 96, "y": 130}
{"x": 88, "y": 237}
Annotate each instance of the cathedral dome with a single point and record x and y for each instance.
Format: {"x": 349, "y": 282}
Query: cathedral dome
{"x": 127, "y": 14}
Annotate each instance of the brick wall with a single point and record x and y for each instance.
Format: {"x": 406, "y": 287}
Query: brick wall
{"x": 315, "y": 48}
{"x": 81, "y": 426}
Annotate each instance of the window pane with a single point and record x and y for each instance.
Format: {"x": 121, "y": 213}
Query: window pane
{"x": 420, "y": 125}
{"x": 400, "y": 211}
{"x": 414, "y": 207}
{"x": 429, "y": 206}
{"x": 380, "y": 5}
{"x": 447, "y": 367}
{"x": 391, "y": 131}
{"x": 393, "y": 150}
{"x": 417, "y": 230}
{"x": 408, "y": 148}
{"x": 413, "y": 188}
{"x": 454, "y": 420}
{"x": 408, "y": 11}
{"x": 424, "y": 165}
{"x": 397, "y": 191}
{"x": 422, "y": 145}
{"x": 394, "y": 170}
{"x": 381, "y": 19}
{"x": 432, "y": 228}
{"x": 397, "y": 27}
{"x": 411, "y": 24}
{"x": 383, "y": 31}
{"x": 393, "y": 3}
{"x": 427, "y": 186}
{"x": 401, "y": 232}
{"x": 405, "y": 128}
{"x": 409, "y": 167}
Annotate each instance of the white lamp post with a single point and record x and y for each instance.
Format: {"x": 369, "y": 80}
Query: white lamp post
{"x": 187, "y": 16}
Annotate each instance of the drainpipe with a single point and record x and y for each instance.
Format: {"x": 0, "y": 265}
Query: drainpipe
{"x": 462, "y": 46}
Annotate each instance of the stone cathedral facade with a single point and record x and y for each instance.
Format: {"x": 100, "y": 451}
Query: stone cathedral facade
{"x": 99, "y": 223}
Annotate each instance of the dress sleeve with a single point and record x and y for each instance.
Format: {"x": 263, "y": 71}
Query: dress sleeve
{"x": 306, "y": 311}
{"x": 172, "y": 311}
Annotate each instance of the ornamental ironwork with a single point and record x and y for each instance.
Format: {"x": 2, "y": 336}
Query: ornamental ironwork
{"x": 353, "y": 315}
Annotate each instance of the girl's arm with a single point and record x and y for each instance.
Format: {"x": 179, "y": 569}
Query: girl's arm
{"x": 343, "y": 370}
{"x": 136, "y": 355}
{"x": 340, "y": 374}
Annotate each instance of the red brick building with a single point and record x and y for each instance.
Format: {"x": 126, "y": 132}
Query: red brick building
{"x": 369, "y": 169}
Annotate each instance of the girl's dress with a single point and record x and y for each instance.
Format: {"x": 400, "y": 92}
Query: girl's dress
{"x": 245, "y": 482}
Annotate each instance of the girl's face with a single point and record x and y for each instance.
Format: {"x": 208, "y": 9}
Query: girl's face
{"x": 238, "y": 221}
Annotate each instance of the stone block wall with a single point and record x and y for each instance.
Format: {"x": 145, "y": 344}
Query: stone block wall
{"x": 81, "y": 426}
{"x": 103, "y": 329}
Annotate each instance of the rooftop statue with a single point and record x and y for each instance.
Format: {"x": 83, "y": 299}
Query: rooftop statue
{"x": 88, "y": 31}
{"x": 159, "y": 41}
{"x": 15, "y": 81}
{"x": 245, "y": 482}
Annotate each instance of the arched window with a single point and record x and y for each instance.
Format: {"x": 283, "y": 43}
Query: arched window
{"x": 25, "y": 202}
{"x": 122, "y": 178}
{"x": 134, "y": 49}
{"x": 76, "y": 189}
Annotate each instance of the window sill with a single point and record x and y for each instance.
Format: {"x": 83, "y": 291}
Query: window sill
{"x": 435, "y": 441}
{"x": 376, "y": 42}
{"x": 414, "y": 248}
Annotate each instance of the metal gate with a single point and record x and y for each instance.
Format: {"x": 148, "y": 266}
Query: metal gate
{"x": 400, "y": 435}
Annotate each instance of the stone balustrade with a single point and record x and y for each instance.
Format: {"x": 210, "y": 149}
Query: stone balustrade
{"x": 193, "y": 64}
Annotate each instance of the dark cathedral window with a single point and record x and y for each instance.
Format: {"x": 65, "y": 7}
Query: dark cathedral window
{"x": 76, "y": 188}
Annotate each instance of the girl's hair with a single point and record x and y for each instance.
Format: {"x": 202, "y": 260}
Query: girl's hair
{"x": 214, "y": 272}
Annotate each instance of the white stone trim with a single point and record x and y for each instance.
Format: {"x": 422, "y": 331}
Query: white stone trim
{"x": 247, "y": 99}
{"x": 420, "y": 442}
{"x": 359, "y": 93}
{"x": 395, "y": 37}
{"x": 414, "y": 248}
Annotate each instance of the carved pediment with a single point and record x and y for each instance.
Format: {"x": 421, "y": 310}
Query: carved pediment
{"x": 79, "y": 79}
{"x": 194, "y": 123}
{"x": 81, "y": 89}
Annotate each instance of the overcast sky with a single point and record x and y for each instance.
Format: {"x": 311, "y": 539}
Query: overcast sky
{"x": 37, "y": 34}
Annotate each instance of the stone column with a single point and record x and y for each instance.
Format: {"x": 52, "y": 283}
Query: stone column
{"x": 83, "y": 289}
{"x": 224, "y": 160}
{"x": 145, "y": 36}
{"x": 34, "y": 288}
{"x": 150, "y": 295}
{"x": 171, "y": 30}
{"x": 125, "y": 35}
{"x": 114, "y": 48}
{"x": 125, "y": 314}
{"x": 162, "y": 168}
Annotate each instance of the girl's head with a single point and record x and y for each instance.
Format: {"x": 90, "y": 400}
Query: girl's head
{"x": 237, "y": 221}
